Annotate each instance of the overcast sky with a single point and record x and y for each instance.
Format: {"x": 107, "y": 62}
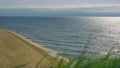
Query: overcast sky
{"x": 58, "y": 7}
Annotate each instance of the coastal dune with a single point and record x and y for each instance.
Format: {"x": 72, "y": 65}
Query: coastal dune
{"x": 15, "y": 51}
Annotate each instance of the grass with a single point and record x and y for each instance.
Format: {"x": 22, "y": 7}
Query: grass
{"x": 105, "y": 61}
{"x": 84, "y": 62}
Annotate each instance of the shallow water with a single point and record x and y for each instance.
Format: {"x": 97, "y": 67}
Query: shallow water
{"x": 69, "y": 35}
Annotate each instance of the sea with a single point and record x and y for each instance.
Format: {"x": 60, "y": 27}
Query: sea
{"x": 70, "y": 36}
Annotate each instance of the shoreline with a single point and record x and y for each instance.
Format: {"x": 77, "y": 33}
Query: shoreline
{"x": 48, "y": 50}
{"x": 15, "y": 48}
{"x": 51, "y": 52}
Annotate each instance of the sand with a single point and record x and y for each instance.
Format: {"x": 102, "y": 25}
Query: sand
{"x": 15, "y": 51}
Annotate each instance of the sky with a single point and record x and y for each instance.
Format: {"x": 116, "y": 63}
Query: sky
{"x": 59, "y": 7}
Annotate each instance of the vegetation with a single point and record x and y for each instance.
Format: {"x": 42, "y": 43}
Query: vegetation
{"x": 83, "y": 62}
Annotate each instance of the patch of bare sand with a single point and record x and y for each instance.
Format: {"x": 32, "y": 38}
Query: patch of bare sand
{"x": 15, "y": 51}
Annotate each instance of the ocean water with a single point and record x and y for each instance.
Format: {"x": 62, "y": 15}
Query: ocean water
{"x": 71, "y": 36}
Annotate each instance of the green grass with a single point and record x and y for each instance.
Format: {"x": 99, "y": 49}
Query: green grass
{"x": 83, "y": 62}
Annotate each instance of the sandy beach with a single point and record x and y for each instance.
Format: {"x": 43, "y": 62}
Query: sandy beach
{"x": 15, "y": 51}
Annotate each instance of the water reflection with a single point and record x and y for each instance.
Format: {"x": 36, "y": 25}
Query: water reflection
{"x": 69, "y": 35}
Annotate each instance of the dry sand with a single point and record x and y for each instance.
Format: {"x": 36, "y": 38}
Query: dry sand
{"x": 15, "y": 51}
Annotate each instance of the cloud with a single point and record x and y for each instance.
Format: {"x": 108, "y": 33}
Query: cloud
{"x": 64, "y": 6}
{"x": 58, "y": 7}
{"x": 77, "y": 6}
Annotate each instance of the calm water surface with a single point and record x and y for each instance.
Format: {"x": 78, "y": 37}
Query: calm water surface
{"x": 69, "y": 35}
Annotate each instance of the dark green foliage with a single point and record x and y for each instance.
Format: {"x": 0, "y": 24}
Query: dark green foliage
{"x": 82, "y": 62}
